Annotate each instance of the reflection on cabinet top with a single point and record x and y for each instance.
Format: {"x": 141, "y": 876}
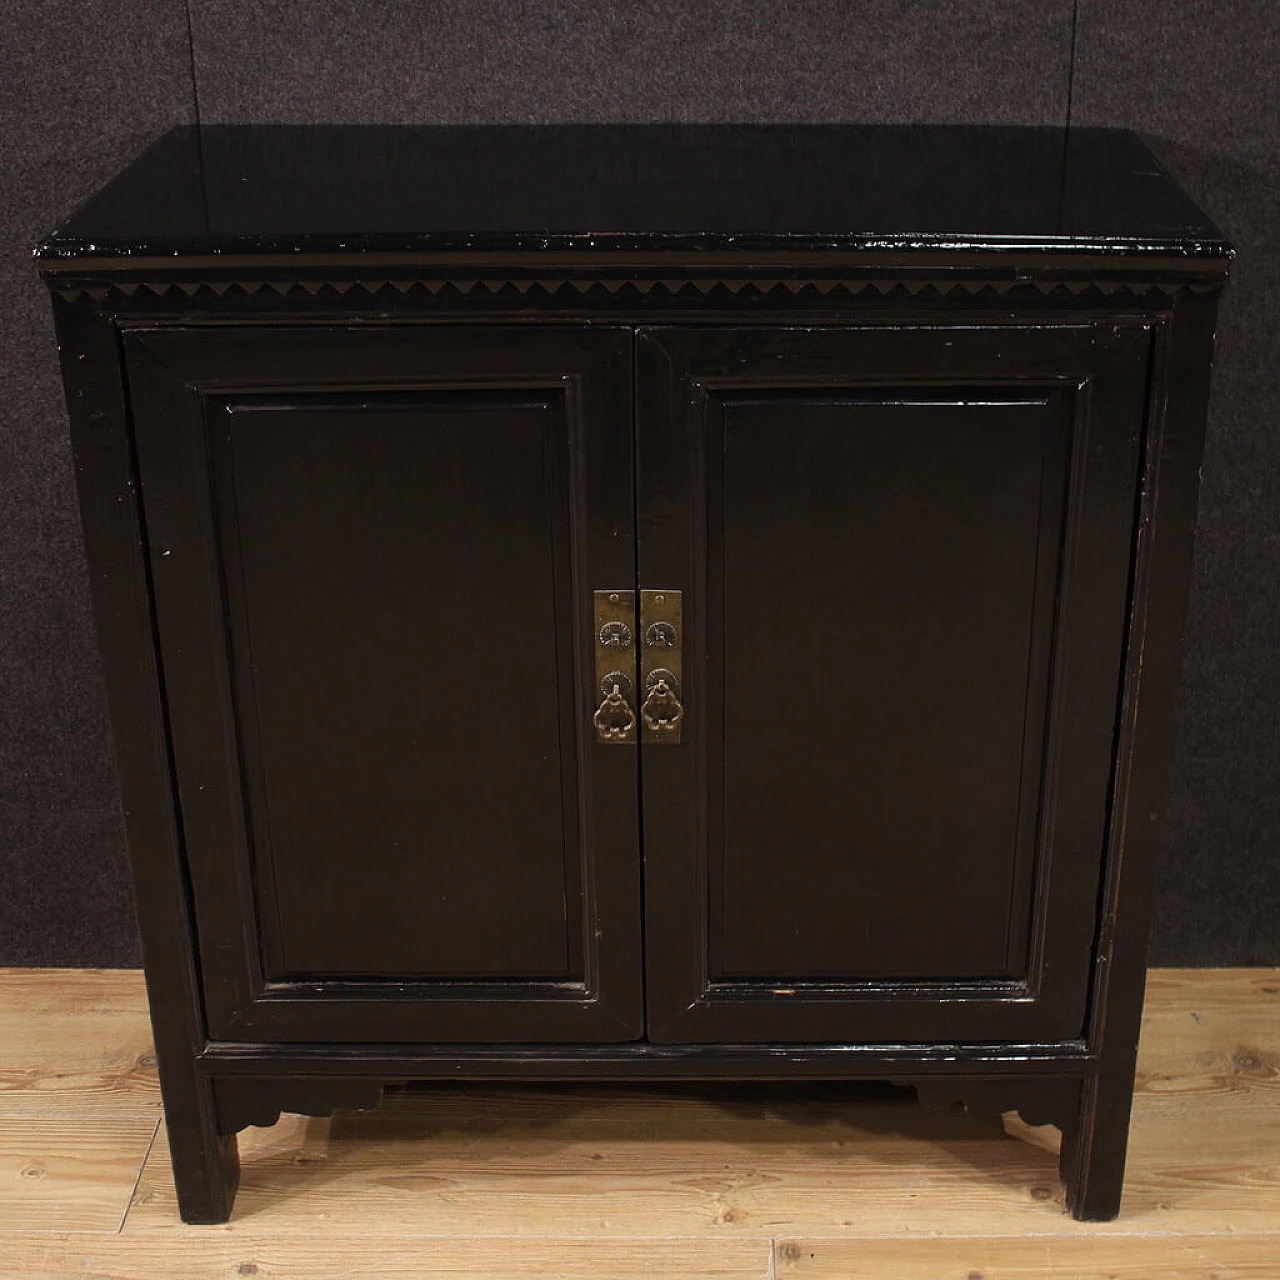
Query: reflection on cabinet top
{"x": 246, "y": 193}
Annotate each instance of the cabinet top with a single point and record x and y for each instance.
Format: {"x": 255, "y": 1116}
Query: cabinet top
{"x": 256, "y": 193}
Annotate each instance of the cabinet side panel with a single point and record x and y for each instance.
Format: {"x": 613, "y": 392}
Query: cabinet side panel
{"x": 205, "y": 1163}
{"x": 1093, "y": 1160}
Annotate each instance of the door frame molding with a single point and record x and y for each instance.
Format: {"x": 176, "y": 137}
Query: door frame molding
{"x": 1105, "y": 365}
{"x": 173, "y": 370}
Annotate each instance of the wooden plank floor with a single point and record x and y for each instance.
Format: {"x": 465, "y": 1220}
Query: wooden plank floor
{"x": 609, "y": 1183}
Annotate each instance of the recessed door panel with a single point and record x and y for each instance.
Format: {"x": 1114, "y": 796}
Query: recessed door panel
{"x": 374, "y": 556}
{"x": 396, "y": 568}
{"x": 886, "y": 816}
{"x": 886, "y": 568}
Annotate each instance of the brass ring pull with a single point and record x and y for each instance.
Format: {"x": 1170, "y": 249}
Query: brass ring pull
{"x": 661, "y": 710}
{"x": 614, "y": 720}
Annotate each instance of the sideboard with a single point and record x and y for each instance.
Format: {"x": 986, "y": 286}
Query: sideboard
{"x": 640, "y": 602}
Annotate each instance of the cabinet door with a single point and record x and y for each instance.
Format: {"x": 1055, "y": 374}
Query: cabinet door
{"x": 373, "y": 554}
{"x": 904, "y": 554}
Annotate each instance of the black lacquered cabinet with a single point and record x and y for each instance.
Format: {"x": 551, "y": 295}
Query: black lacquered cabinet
{"x": 640, "y": 602}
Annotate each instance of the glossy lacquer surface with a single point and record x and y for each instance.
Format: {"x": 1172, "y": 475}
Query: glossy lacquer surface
{"x": 366, "y": 419}
{"x": 255, "y": 191}
{"x": 900, "y": 564}
{"x": 369, "y": 584}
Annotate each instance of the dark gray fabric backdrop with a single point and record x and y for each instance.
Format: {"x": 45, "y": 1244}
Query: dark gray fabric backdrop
{"x": 85, "y": 83}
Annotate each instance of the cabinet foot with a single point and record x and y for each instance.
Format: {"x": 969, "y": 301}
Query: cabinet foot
{"x": 206, "y": 1171}
{"x": 1093, "y": 1157}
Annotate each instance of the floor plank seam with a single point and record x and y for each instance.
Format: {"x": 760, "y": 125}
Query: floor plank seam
{"x": 106, "y": 1113}
{"x": 56, "y": 1233}
{"x": 133, "y": 1190}
{"x": 1086, "y": 1231}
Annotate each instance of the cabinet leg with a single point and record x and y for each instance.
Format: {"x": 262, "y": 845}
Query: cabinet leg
{"x": 1093, "y": 1158}
{"x": 206, "y": 1165}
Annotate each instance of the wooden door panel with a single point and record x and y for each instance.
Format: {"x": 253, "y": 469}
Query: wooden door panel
{"x": 886, "y": 574}
{"x": 396, "y": 626}
{"x": 887, "y": 816}
{"x": 374, "y": 555}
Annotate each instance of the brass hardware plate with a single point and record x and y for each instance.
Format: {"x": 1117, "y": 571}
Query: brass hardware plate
{"x": 662, "y": 651}
{"x": 619, "y": 678}
{"x": 614, "y": 720}
{"x": 658, "y": 674}
{"x": 614, "y": 630}
{"x": 662, "y": 709}
{"x": 615, "y": 634}
{"x": 660, "y": 635}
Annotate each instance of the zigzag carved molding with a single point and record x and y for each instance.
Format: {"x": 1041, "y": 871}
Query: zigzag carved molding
{"x": 672, "y": 288}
